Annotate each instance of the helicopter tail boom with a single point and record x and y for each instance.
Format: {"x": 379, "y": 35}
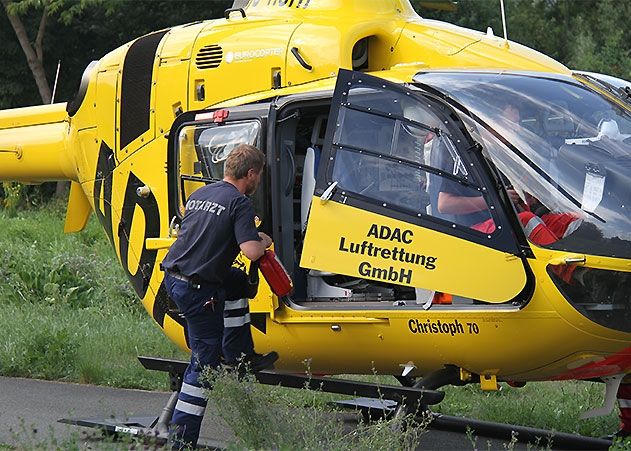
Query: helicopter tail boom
{"x": 33, "y": 144}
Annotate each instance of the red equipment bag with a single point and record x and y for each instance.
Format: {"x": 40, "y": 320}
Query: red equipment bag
{"x": 275, "y": 273}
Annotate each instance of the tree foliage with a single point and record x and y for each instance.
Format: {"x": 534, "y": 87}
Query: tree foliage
{"x": 80, "y": 31}
{"x": 588, "y": 35}
{"x": 75, "y": 32}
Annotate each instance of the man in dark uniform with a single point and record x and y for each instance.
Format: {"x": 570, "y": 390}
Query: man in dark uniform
{"x": 199, "y": 277}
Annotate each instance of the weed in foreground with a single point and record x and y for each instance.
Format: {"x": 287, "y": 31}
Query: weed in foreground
{"x": 621, "y": 444}
{"x": 261, "y": 420}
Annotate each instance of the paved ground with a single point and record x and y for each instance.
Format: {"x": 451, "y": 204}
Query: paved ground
{"x": 29, "y": 410}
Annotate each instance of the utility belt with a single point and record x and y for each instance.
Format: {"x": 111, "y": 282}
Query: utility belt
{"x": 194, "y": 282}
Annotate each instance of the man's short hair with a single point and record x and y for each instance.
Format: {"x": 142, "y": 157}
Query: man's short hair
{"x": 243, "y": 158}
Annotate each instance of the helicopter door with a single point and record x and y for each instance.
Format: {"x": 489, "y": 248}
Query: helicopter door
{"x": 199, "y": 144}
{"x": 391, "y": 160}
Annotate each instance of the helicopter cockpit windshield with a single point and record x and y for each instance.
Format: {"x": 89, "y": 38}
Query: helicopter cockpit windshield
{"x": 566, "y": 148}
{"x": 558, "y": 141}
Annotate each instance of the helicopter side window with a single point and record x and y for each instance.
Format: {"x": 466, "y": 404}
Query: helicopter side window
{"x": 217, "y": 142}
{"x": 403, "y": 158}
{"x": 203, "y": 148}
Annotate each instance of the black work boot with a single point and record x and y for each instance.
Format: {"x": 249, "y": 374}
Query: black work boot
{"x": 260, "y": 362}
{"x": 253, "y": 362}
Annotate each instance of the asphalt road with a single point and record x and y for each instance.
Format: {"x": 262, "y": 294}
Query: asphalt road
{"x": 30, "y": 410}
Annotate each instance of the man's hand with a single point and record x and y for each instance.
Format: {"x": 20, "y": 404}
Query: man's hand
{"x": 255, "y": 249}
{"x": 517, "y": 200}
{"x": 514, "y": 196}
{"x": 266, "y": 241}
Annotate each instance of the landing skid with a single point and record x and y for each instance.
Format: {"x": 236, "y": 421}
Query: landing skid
{"x": 411, "y": 395}
{"x": 375, "y": 409}
{"x": 155, "y": 428}
{"x": 128, "y": 425}
{"x": 141, "y": 427}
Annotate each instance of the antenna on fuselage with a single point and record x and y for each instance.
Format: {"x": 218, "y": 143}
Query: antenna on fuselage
{"x": 52, "y": 98}
{"x": 504, "y": 21}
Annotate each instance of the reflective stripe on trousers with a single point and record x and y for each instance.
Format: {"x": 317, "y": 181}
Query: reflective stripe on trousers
{"x": 237, "y": 338}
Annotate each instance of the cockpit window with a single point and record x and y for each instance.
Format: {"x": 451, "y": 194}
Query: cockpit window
{"x": 216, "y": 143}
{"x": 558, "y": 142}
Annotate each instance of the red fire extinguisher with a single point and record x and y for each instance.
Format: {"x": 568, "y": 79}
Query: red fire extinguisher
{"x": 275, "y": 273}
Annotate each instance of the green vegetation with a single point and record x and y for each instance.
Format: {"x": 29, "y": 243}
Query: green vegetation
{"x": 589, "y": 35}
{"x": 264, "y": 417}
{"x": 68, "y": 311}
{"x": 547, "y": 405}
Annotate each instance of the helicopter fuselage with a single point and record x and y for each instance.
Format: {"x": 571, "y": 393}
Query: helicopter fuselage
{"x": 152, "y": 122}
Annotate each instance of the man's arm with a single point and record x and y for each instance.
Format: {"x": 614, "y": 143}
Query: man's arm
{"x": 252, "y": 242}
{"x": 254, "y": 250}
{"x": 454, "y": 204}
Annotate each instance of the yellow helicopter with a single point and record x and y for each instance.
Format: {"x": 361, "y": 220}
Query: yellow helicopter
{"x": 365, "y": 110}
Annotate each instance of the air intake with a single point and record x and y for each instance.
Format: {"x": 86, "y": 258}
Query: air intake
{"x": 209, "y": 57}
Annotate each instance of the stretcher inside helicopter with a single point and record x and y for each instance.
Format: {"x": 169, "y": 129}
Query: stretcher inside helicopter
{"x": 354, "y": 181}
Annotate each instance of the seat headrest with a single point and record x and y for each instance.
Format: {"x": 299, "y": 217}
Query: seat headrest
{"x": 319, "y": 129}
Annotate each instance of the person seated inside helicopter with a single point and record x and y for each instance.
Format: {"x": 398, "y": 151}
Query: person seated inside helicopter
{"x": 542, "y": 226}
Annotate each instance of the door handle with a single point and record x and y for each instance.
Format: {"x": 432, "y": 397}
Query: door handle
{"x": 326, "y": 195}
{"x": 572, "y": 259}
{"x": 164, "y": 243}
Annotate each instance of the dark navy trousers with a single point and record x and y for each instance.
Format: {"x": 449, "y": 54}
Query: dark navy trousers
{"x": 208, "y": 340}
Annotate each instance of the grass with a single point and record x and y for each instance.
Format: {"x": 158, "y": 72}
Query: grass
{"x": 547, "y": 405}
{"x": 69, "y": 313}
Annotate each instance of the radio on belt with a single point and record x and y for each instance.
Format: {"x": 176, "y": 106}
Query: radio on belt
{"x": 275, "y": 274}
